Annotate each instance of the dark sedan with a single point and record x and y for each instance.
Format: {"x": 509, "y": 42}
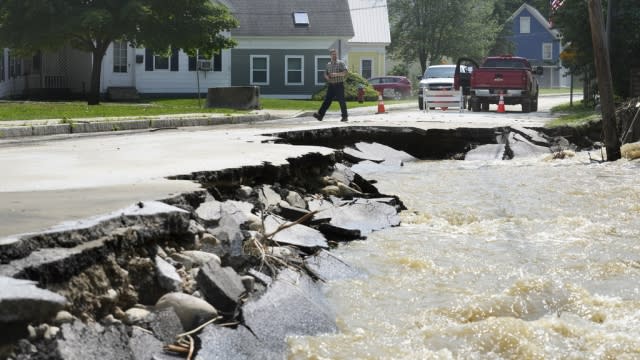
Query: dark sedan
{"x": 396, "y": 87}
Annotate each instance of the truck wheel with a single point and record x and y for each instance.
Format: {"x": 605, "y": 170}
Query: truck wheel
{"x": 474, "y": 104}
{"x": 534, "y": 104}
{"x": 485, "y": 106}
{"x": 420, "y": 104}
{"x": 526, "y": 105}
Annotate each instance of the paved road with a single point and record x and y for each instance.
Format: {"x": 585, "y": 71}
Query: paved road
{"x": 49, "y": 180}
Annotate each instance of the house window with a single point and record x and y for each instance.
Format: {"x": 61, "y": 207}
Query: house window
{"x": 547, "y": 51}
{"x": 525, "y": 25}
{"x": 119, "y": 57}
{"x": 321, "y": 66}
{"x": 294, "y": 70}
{"x": 160, "y": 62}
{"x": 15, "y": 66}
{"x": 300, "y": 18}
{"x": 201, "y": 62}
{"x": 366, "y": 68}
{"x": 259, "y": 70}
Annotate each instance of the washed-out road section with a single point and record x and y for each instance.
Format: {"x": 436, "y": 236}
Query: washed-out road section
{"x": 49, "y": 180}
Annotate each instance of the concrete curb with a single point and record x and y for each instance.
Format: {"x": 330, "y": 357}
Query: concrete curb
{"x": 39, "y": 128}
{"x": 27, "y": 128}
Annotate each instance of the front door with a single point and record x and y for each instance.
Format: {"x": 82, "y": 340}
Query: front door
{"x": 121, "y": 69}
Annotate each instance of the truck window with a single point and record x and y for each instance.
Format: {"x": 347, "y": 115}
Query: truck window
{"x": 504, "y": 63}
{"x": 439, "y": 72}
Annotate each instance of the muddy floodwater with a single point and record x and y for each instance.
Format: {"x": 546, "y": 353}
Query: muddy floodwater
{"x": 521, "y": 259}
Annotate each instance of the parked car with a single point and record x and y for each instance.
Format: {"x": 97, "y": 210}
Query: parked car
{"x": 396, "y": 87}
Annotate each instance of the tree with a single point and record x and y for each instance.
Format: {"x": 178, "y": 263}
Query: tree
{"x": 572, "y": 20}
{"x": 428, "y": 30}
{"x": 28, "y": 26}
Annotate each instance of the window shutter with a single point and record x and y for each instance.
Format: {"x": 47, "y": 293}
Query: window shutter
{"x": 192, "y": 63}
{"x": 174, "y": 59}
{"x": 217, "y": 61}
{"x": 148, "y": 60}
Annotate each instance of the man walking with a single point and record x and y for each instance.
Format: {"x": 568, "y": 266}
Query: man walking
{"x": 335, "y": 74}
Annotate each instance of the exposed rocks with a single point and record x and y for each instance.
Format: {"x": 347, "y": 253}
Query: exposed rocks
{"x": 294, "y": 305}
{"x": 142, "y": 276}
{"x": 168, "y": 277}
{"x": 220, "y": 286}
{"x": 92, "y": 341}
{"x": 192, "y": 311}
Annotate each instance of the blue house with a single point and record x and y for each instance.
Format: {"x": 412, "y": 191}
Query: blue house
{"x": 534, "y": 39}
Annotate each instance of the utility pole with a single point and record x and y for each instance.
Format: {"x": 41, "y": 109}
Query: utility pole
{"x": 605, "y": 85}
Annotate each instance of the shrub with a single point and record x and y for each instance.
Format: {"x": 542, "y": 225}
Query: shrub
{"x": 351, "y": 85}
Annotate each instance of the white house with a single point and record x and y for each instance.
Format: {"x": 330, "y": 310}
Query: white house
{"x": 282, "y": 48}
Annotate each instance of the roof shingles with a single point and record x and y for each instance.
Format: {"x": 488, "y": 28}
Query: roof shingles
{"x": 275, "y": 18}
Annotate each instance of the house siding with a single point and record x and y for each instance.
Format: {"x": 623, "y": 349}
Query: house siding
{"x": 241, "y": 72}
{"x": 530, "y": 45}
{"x": 173, "y": 81}
{"x": 355, "y": 61}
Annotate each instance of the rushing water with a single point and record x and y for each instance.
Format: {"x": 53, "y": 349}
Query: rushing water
{"x": 521, "y": 259}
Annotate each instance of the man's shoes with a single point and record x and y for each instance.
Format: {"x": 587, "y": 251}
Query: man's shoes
{"x": 317, "y": 116}
{"x": 344, "y": 119}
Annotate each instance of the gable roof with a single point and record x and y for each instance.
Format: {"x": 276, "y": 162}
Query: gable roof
{"x": 370, "y": 21}
{"x": 275, "y": 18}
{"x": 536, "y": 14}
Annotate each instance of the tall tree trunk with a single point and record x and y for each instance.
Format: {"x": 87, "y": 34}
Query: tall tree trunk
{"x": 605, "y": 85}
{"x": 93, "y": 97}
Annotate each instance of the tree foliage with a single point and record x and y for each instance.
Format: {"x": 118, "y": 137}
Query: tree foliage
{"x": 428, "y": 30}
{"x": 28, "y": 26}
{"x": 572, "y": 20}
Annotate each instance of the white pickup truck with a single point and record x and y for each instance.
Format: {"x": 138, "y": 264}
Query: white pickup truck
{"x": 436, "y": 77}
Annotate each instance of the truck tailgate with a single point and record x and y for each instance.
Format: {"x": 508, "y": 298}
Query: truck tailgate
{"x": 499, "y": 78}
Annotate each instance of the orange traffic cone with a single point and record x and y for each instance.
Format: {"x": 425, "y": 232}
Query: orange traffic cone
{"x": 501, "y": 104}
{"x": 380, "y": 104}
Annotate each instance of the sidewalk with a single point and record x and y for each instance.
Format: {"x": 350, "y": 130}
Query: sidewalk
{"x": 26, "y": 128}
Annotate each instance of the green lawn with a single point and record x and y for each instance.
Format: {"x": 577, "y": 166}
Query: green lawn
{"x": 32, "y": 110}
{"x": 573, "y": 115}
{"x": 548, "y": 91}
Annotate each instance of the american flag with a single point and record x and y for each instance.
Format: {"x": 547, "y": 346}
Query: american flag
{"x": 556, "y": 4}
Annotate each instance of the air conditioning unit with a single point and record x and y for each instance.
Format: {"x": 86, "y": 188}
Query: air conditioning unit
{"x": 205, "y": 65}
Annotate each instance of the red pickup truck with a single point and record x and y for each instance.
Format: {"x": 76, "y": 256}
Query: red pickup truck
{"x": 506, "y": 75}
